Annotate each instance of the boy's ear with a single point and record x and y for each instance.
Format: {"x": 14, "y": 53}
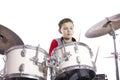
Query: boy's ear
{"x": 59, "y": 31}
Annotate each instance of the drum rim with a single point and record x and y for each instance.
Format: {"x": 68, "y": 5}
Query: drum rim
{"x": 77, "y": 67}
{"x": 16, "y": 75}
{"x": 26, "y": 47}
{"x": 71, "y": 43}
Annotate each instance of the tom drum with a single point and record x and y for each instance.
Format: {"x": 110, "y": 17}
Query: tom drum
{"x": 72, "y": 56}
{"x": 25, "y": 61}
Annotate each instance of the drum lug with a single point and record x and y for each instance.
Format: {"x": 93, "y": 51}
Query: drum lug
{"x": 78, "y": 60}
{"x": 91, "y": 53}
{"x": 23, "y": 52}
{"x": 66, "y": 56}
{"x": 21, "y": 67}
{"x": 76, "y": 48}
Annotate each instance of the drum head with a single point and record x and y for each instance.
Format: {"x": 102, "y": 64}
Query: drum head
{"x": 82, "y": 74}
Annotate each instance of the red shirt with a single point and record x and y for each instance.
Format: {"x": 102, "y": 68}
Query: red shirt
{"x": 54, "y": 44}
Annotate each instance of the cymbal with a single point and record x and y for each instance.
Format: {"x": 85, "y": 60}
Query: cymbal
{"x": 103, "y": 27}
{"x": 8, "y": 39}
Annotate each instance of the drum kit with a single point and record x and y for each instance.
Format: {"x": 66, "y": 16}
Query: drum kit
{"x": 32, "y": 63}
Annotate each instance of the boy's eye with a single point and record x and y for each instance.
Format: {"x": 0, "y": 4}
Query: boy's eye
{"x": 65, "y": 28}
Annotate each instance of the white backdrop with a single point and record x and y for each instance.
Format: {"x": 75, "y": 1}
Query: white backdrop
{"x": 36, "y": 22}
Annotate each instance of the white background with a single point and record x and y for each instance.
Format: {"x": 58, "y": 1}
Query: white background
{"x": 36, "y": 22}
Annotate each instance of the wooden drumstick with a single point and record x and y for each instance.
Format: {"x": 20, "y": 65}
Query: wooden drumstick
{"x": 64, "y": 46}
{"x": 97, "y": 55}
{"x": 63, "y": 52}
{"x": 79, "y": 36}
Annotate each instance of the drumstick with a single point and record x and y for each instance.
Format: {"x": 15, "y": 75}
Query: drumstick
{"x": 63, "y": 53}
{"x": 64, "y": 46}
{"x": 79, "y": 36}
{"x": 96, "y": 55}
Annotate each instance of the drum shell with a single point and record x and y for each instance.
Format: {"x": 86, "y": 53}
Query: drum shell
{"x": 80, "y": 57}
{"x": 15, "y": 59}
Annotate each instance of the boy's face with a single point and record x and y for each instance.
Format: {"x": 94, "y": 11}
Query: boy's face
{"x": 67, "y": 30}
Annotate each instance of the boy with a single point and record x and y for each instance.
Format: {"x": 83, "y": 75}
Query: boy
{"x": 66, "y": 28}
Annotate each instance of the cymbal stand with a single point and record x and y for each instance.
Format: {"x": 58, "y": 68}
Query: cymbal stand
{"x": 112, "y": 33}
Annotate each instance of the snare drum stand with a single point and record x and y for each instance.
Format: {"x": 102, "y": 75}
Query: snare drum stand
{"x": 51, "y": 67}
{"x": 112, "y": 33}
{"x": 51, "y": 72}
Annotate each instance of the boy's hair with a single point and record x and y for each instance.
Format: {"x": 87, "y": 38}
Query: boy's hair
{"x": 64, "y": 21}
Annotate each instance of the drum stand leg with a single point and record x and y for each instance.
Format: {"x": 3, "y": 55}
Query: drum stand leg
{"x": 51, "y": 73}
{"x": 112, "y": 33}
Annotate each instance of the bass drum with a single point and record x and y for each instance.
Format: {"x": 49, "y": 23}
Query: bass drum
{"x": 25, "y": 62}
{"x": 71, "y": 58}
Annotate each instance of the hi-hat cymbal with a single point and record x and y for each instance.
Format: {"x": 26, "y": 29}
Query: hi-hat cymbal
{"x": 103, "y": 27}
{"x": 8, "y": 39}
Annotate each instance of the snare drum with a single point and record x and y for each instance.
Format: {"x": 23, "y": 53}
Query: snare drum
{"x": 25, "y": 61}
{"x": 72, "y": 56}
